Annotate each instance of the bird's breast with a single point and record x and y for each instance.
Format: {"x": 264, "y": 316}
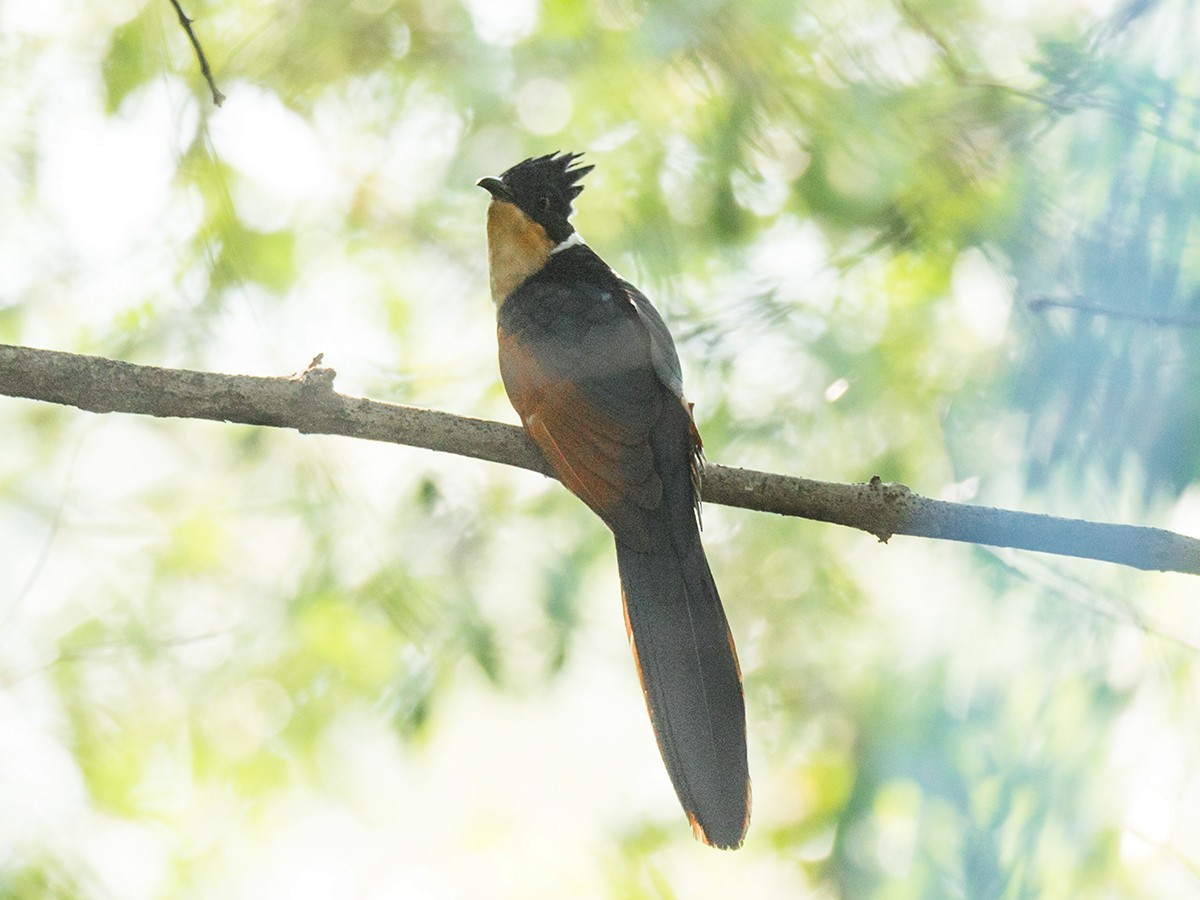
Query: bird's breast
{"x": 518, "y": 247}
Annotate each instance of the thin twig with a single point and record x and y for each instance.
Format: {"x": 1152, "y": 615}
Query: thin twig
{"x": 1166, "y": 320}
{"x": 308, "y": 403}
{"x": 218, "y": 97}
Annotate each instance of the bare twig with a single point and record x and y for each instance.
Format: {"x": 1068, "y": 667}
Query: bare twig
{"x": 308, "y": 403}
{"x": 218, "y": 97}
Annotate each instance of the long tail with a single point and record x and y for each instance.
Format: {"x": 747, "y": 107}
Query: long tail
{"x": 688, "y": 666}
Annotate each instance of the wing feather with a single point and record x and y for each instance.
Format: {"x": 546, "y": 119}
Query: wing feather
{"x": 589, "y": 399}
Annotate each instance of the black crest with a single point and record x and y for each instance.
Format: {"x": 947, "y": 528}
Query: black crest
{"x": 543, "y": 187}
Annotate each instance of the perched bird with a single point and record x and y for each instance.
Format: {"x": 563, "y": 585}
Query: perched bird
{"x": 592, "y": 371}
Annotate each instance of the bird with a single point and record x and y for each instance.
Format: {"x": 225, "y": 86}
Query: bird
{"x": 592, "y": 371}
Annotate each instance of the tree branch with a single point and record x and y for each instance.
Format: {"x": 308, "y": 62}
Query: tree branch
{"x": 308, "y": 403}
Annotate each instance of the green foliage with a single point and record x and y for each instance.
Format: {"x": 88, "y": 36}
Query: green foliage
{"x": 134, "y": 56}
{"x": 262, "y": 663}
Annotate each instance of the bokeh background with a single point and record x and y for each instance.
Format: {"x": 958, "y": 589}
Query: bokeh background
{"x": 953, "y": 243}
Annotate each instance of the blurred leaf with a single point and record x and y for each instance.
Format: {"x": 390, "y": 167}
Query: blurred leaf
{"x": 134, "y": 55}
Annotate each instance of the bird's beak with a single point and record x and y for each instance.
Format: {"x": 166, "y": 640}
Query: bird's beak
{"x": 496, "y": 188}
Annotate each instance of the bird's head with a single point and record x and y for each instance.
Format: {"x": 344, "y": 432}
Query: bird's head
{"x": 542, "y": 188}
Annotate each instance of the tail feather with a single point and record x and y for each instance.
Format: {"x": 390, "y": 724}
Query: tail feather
{"x": 688, "y": 666}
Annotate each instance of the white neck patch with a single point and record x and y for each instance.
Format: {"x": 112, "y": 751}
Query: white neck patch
{"x": 570, "y": 242}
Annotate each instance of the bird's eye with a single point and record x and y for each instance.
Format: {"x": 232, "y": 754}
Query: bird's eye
{"x": 544, "y": 203}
